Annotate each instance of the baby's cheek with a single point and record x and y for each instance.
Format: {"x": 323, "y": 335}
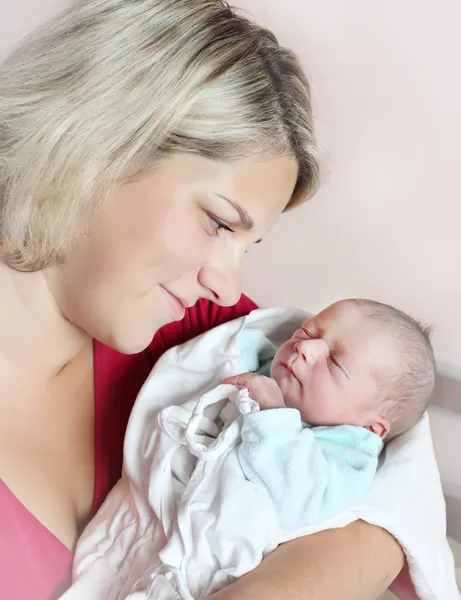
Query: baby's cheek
{"x": 276, "y": 368}
{"x": 278, "y": 356}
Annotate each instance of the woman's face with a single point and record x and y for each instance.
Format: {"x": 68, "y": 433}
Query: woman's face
{"x": 163, "y": 242}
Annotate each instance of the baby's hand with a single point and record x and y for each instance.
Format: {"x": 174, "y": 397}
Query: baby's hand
{"x": 264, "y": 390}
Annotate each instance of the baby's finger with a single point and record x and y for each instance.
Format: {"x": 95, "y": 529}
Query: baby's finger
{"x": 240, "y": 380}
{"x": 239, "y": 386}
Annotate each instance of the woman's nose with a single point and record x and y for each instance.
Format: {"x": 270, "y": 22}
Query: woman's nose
{"x": 223, "y": 282}
{"x": 312, "y": 350}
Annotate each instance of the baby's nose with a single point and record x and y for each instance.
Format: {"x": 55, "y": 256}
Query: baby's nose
{"x": 312, "y": 350}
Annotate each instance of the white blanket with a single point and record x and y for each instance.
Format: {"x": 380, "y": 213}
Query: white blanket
{"x": 183, "y": 521}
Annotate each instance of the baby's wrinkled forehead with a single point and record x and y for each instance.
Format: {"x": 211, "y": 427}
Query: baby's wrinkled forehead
{"x": 348, "y": 326}
{"x": 340, "y": 316}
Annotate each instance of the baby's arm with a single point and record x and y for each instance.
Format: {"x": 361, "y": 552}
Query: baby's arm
{"x": 311, "y": 474}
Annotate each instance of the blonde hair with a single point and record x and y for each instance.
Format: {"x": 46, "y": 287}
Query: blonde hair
{"x": 106, "y": 89}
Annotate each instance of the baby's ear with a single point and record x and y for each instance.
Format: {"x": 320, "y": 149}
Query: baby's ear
{"x": 380, "y": 426}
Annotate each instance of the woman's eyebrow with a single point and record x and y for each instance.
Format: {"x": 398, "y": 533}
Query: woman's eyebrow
{"x": 245, "y": 218}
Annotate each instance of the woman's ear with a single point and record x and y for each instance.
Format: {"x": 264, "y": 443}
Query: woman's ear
{"x": 380, "y": 426}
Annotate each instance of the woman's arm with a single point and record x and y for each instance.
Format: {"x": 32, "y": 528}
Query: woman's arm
{"x": 357, "y": 562}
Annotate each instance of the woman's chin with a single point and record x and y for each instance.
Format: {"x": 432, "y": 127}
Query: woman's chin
{"x": 133, "y": 337}
{"x": 129, "y": 342}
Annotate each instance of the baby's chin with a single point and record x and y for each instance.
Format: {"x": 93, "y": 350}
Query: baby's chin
{"x": 290, "y": 400}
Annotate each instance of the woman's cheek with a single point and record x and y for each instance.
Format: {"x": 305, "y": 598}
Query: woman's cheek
{"x": 187, "y": 250}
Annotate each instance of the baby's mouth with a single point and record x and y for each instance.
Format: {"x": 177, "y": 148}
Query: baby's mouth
{"x": 290, "y": 370}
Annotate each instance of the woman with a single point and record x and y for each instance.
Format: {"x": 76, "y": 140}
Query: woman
{"x": 144, "y": 146}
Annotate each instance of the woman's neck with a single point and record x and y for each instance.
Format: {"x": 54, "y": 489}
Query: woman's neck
{"x": 34, "y": 335}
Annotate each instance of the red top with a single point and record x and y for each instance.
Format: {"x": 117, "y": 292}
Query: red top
{"x": 34, "y": 564}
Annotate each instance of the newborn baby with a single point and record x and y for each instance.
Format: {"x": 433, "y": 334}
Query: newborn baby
{"x": 358, "y": 373}
{"x": 207, "y": 492}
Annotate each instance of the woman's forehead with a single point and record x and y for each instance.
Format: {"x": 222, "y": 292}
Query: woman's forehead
{"x": 259, "y": 187}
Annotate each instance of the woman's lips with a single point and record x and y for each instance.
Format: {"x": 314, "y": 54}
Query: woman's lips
{"x": 177, "y": 308}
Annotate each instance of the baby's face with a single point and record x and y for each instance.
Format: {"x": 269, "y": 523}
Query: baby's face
{"x": 327, "y": 370}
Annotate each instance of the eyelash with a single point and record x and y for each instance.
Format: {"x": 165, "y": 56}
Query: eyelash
{"x": 218, "y": 225}
{"x": 333, "y": 362}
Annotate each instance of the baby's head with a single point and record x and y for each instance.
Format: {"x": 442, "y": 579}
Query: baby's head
{"x": 358, "y": 362}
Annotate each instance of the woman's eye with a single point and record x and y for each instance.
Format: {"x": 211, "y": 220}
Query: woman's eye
{"x": 218, "y": 225}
